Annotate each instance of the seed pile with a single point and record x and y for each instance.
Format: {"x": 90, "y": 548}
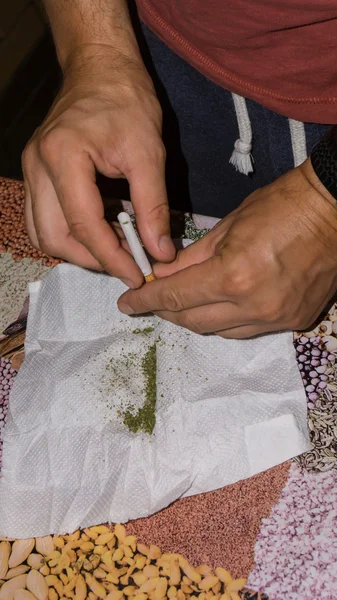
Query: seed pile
{"x": 296, "y": 551}
{"x": 98, "y": 563}
{"x": 7, "y": 375}
{"x": 13, "y": 236}
{"x": 313, "y": 362}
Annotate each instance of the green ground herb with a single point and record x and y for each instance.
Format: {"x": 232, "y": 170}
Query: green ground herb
{"x": 145, "y": 331}
{"x": 145, "y": 418}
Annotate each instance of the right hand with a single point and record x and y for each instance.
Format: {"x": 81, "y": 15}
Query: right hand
{"x": 106, "y": 117}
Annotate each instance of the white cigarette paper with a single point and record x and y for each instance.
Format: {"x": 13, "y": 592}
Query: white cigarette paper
{"x": 134, "y": 243}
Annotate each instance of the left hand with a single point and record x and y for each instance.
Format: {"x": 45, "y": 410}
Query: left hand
{"x": 270, "y": 265}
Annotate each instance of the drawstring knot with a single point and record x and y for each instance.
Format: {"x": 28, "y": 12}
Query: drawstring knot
{"x": 242, "y": 147}
{"x": 241, "y": 158}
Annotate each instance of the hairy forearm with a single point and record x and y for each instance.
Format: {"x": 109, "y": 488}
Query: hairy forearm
{"x": 91, "y": 25}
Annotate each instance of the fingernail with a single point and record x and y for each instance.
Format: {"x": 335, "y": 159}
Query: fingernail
{"x": 166, "y": 244}
{"x": 125, "y": 308}
{"x": 128, "y": 282}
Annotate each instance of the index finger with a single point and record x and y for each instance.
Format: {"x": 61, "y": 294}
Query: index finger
{"x": 195, "y": 286}
{"x": 82, "y": 205}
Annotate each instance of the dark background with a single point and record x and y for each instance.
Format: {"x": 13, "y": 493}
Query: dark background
{"x": 29, "y": 78}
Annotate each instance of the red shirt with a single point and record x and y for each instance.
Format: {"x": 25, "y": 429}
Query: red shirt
{"x": 280, "y": 53}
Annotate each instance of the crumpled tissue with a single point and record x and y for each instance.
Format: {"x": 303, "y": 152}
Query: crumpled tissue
{"x": 226, "y": 409}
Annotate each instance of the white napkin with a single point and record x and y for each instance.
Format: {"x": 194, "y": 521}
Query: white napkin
{"x": 226, "y": 410}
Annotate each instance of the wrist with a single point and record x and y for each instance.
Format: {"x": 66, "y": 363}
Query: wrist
{"x": 324, "y": 162}
{"x": 101, "y": 66}
{"x": 314, "y": 181}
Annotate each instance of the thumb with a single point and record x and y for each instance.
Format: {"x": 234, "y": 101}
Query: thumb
{"x": 149, "y": 199}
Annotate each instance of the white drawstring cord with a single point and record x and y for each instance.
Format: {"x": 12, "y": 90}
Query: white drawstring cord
{"x": 241, "y": 158}
{"x": 298, "y": 141}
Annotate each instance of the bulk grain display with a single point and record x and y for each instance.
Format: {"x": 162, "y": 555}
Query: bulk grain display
{"x": 101, "y": 562}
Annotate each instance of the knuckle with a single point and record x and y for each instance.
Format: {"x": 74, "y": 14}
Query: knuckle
{"x": 190, "y": 323}
{"x": 48, "y": 146}
{"x": 241, "y": 281}
{"x": 155, "y": 153}
{"x": 272, "y": 312}
{"x": 50, "y": 143}
{"x": 78, "y": 229}
{"x": 172, "y": 301}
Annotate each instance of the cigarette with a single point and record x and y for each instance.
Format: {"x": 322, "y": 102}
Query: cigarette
{"x": 135, "y": 246}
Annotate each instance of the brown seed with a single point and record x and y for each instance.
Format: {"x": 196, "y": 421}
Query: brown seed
{"x": 87, "y": 546}
{"x": 175, "y": 574}
{"x": 225, "y": 596}
{"x": 139, "y": 578}
{"x": 45, "y": 570}
{"x": 149, "y": 586}
{"x": 206, "y": 570}
{"x": 24, "y": 595}
{"x": 118, "y": 555}
{"x": 186, "y": 589}
{"x": 104, "y": 538}
{"x": 52, "y": 594}
{"x": 154, "y": 552}
{"x": 191, "y": 573}
{"x": 81, "y": 588}
{"x": 107, "y": 557}
{"x": 70, "y": 586}
{"x": 20, "y": 570}
{"x": 115, "y": 595}
{"x": 96, "y": 587}
{"x": 64, "y": 578}
{"x": 209, "y": 582}
{"x": 51, "y": 580}
{"x": 141, "y": 562}
{"x": 44, "y": 545}
{"x": 223, "y": 575}
{"x": 20, "y": 550}
{"x": 93, "y": 535}
{"x": 235, "y": 585}
{"x": 142, "y": 549}
{"x": 120, "y": 532}
{"x": 36, "y": 561}
{"x": 150, "y": 571}
{"x": 129, "y": 590}
{"x": 124, "y": 580}
{"x": 99, "y": 529}
{"x": 131, "y": 541}
{"x": 36, "y": 584}
{"x": 9, "y": 587}
{"x": 99, "y": 549}
{"x": 235, "y": 596}
{"x": 99, "y": 573}
{"x": 5, "y": 550}
{"x": 59, "y": 588}
{"x": 217, "y": 587}
{"x": 161, "y": 588}
{"x": 127, "y": 551}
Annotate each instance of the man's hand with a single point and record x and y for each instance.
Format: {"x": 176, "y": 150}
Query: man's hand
{"x": 106, "y": 117}
{"x": 270, "y": 265}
